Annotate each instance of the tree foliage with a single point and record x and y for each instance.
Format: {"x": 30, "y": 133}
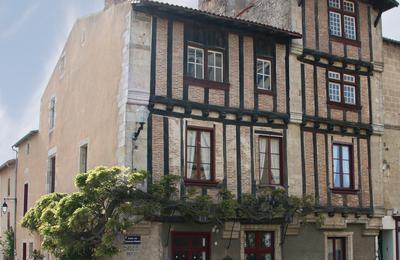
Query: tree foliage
{"x": 7, "y": 245}
{"x": 85, "y": 223}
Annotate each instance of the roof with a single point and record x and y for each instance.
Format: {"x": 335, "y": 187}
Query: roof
{"x": 388, "y": 40}
{"x": 155, "y": 7}
{"x": 384, "y": 5}
{"x": 26, "y": 137}
{"x": 7, "y": 164}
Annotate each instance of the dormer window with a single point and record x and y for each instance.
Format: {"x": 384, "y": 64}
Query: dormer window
{"x": 342, "y": 19}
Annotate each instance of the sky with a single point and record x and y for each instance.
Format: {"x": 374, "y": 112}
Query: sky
{"x": 32, "y": 35}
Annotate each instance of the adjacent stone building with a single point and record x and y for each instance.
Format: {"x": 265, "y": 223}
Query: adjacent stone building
{"x": 245, "y": 95}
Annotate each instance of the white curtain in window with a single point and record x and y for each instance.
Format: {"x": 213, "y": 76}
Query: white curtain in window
{"x": 275, "y": 164}
{"x": 191, "y": 150}
{"x": 205, "y": 154}
{"x": 263, "y": 154}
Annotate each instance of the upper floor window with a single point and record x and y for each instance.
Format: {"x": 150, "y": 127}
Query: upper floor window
{"x": 209, "y": 66}
{"x": 26, "y": 193}
{"x": 199, "y": 155}
{"x": 264, "y": 81}
{"x": 52, "y": 113}
{"x": 270, "y": 159}
{"x": 342, "y": 88}
{"x": 342, "y": 166}
{"x": 342, "y": 19}
{"x": 51, "y": 175}
{"x": 83, "y": 153}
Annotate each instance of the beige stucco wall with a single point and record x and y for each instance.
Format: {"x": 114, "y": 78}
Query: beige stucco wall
{"x": 87, "y": 96}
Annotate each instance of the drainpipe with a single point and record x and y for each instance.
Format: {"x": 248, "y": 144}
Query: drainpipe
{"x": 15, "y": 201}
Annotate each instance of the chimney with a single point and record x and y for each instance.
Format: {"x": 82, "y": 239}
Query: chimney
{"x": 109, "y": 3}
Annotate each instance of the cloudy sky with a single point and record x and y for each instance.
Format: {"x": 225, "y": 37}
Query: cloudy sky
{"x": 32, "y": 35}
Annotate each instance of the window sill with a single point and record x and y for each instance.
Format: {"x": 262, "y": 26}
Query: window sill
{"x": 341, "y": 106}
{"x": 201, "y": 183}
{"x": 344, "y": 191}
{"x": 206, "y": 83}
{"x": 343, "y": 40}
{"x": 265, "y": 92}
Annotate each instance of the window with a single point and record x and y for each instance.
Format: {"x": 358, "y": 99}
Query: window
{"x": 24, "y": 252}
{"x": 270, "y": 160}
{"x": 342, "y": 88}
{"x": 215, "y": 69}
{"x": 199, "y": 154}
{"x": 51, "y": 176}
{"x": 259, "y": 245}
{"x": 342, "y": 166}
{"x": 188, "y": 245}
{"x": 342, "y": 19}
{"x": 209, "y": 66}
{"x": 336, "y": 248}
{"x": 8, "y": 187}
{"x": 264, "y": 74}
{"x": 26, "y": 193}
{"x": 8, "y": 220}
{"x": 83, "y": 158}
{"x": 52, "y": 112}
{"x": 195, "y": 62}
{"x": 28, "y": 148}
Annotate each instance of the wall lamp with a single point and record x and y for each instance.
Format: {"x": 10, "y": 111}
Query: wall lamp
{"x": 141, "y": 117}
{"x": 4, "y": 207}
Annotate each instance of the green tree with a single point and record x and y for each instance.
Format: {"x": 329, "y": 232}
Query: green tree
{"x": 7, "y": 245}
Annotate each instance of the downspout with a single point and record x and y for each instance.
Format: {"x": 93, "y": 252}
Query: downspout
{"x": 15, "y": 201}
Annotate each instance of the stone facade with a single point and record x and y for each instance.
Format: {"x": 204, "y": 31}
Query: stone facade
{"x": 143, "y": 63}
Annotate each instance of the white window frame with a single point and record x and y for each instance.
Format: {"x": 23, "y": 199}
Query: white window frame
{"x": 353, "y": 35}
{"x": 332, "y": 84}
{"x": 351, "y": 3}
{"x": 195, "y": 64}
{"x": 215, "y": 67}
{"x": 340, "y": 24}
{"x": 263, "y": 74}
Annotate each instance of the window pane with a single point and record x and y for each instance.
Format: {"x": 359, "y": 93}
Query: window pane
{"x": 251, "y": 256}
{"x": 336, "y": 180}
{"x": 205, "y": 155}
{"x": 334, "y": 3}
{"x": 335, "y": 24}
{"x": 336, "y": 166}
{"x": 199, "y": 56}
{"x": 349, "y": 94}
{"x": 264, "y": 176}
{"x": 260, "y": 81}
{"x": 275, "y": 145}
{"x": 334, "y": 92}
{"x": 191, "y": 70}
{"x": 339, "y": 249}
{"x": 205, "y": 170}
{"x": 199, "y": 71}
{"x": 250, "y": 239}
{"x": 267, "y": 68}
{"x": 191, "y": 54}
{"x": 260, "y": 68}
{"x": 336, "y": 150}
{"x": 211, "y": 57}
{"x": 345, "y": 153}
{"x": 334, "y": 75}
{"x": 276, "y": 177}
{"x": 349, "y": 78}
{"x": 267, "y": 82}
{"x": 330, "y": 249}
{"x": 201, "y": 255}
{"x": 266, "y": 257}
{"x": 348, "y": 6}
{"x": 346, "y": 180}
{"x": 350, "y": 27}
{"x": 218, "y": 75}
{"x": 275, "y": 161}
{"x": 218, "y": 60}
{"x": 181, "y": 255}
{"x": 266, "y": 240}
{"x": 211, "y": 75}
{"x": 346, "y": 166}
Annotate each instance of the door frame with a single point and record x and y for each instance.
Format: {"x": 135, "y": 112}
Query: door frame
{"x": 175, "y": 234}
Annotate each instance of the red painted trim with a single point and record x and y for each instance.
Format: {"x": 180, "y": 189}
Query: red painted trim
{"x": 258, "y": 249}
{"x": 351, "y": 166}
{"x": 189, "y": 248}
{"x": 199, "y": 182}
